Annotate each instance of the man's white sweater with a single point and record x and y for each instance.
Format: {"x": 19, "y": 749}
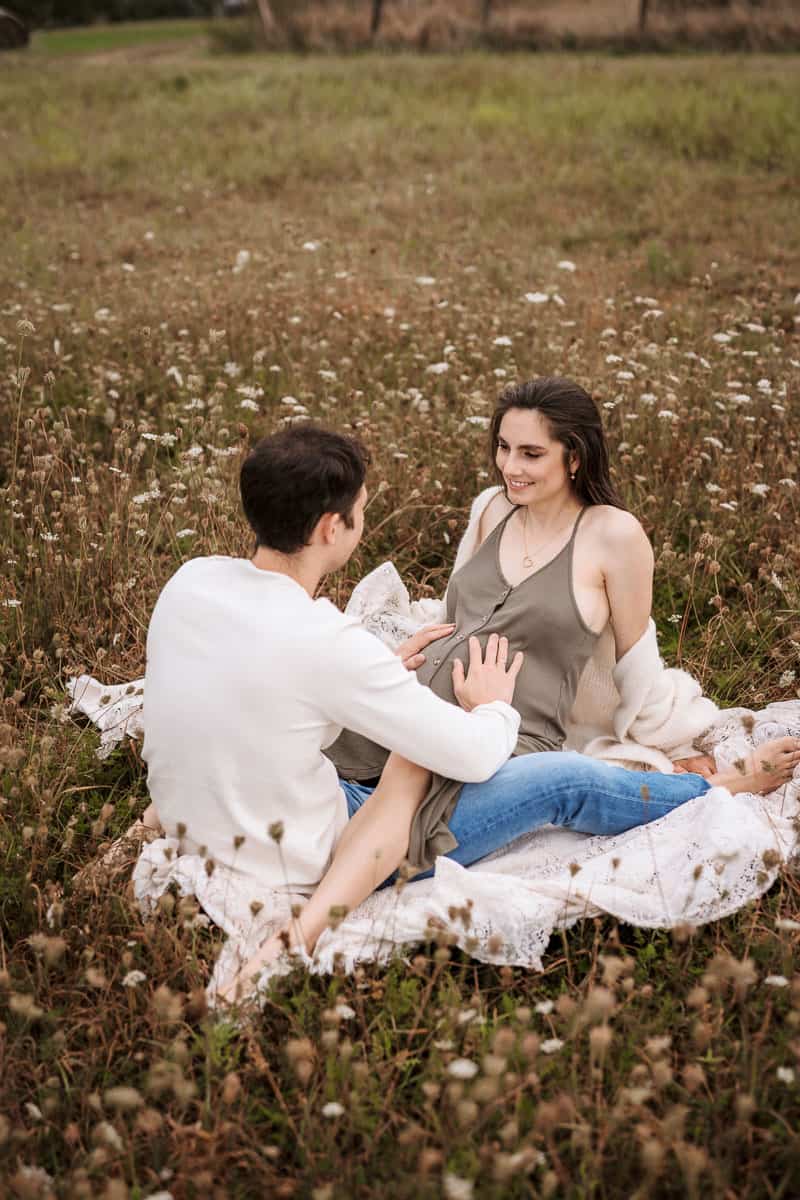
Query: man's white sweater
{"x": 248, "y": 679}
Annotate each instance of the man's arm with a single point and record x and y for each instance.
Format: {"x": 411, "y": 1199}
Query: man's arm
{"x": 364, "y": 687}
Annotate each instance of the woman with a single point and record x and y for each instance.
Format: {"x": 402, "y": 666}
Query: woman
{"x": 556, "y": 558}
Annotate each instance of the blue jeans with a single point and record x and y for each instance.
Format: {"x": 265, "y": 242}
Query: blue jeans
{"x": 553, "y": 788}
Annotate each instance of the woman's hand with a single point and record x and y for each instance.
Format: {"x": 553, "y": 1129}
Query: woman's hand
{"x": 410, "y": 651}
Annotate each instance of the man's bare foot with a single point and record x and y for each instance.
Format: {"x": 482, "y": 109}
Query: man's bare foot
{"x": 267, "y": 955}
{"x": 150, "y": 818}
{"x": 763, "y": 770}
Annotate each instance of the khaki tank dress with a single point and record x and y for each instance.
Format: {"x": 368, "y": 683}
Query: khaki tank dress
{"x": 540, "y": 617}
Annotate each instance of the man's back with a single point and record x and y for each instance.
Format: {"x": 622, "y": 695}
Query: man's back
{"x": 233, "y": 731}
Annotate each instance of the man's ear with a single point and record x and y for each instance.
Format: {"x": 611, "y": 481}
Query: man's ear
{"x": 327, "y": 529}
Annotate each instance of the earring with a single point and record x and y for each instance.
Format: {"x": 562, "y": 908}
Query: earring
{"x": 572, "y": 475}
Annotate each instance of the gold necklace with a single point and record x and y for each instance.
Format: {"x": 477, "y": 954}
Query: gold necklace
{"x": 527, "y": 561}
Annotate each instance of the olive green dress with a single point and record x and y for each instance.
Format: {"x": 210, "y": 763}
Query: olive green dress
{"x": 540, "y": 617}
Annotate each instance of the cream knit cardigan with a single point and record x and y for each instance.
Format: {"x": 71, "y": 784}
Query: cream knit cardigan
{"x": 637, "y": 712}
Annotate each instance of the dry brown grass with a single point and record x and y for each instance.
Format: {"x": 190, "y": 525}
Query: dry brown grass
{"x": 140, "y": 354}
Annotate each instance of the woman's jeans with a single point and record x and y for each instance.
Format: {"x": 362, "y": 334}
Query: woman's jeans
{"x": 553, "y": 788}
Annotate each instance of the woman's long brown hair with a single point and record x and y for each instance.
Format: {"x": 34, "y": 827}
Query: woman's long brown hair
{"x": 574, "y": 421}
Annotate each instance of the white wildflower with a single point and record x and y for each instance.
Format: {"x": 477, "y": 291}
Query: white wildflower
{"x": 778, "y": 981}
{"x": 437, "y": 368}
{"x": 102, "y": 314}
{"x": 462, "y": 1068}
{"x": 328, "y": 376}
{"x": 333, "y": 1109}
{"x": 715, "y": 442}
{"x": 759, "y": 489}
{"x": 479, "y": 422}
{"x": 174, "y": 373}
{"x": 537, "y": 297}
{"x": 544, "y": 1007}
{"x": 612, "y": 359}
{"x": 455, "y": 1187}
{"x": 566, "y": 265}
{"x": 713, "y": 488}
{"x": 500, "y": 372}
{"x": 345, "y": 1011}
{"x": 184, "y": 533}
{"x": 551, "y": 1045}
{"x": 787, "y": 679}
{"x": 502, "y": 341}
{"x": 788, "y": 924}
{"x": 425, "y": 280}
{"x": 785, "y": 1074}
{"x": 250, "y": 405}
{"x": 666, "y": 414}
{"x": 232, "y": 369}
{"x": 722, "y": 338}
{"x": 311, "y": 246}
{"x": 12, "y": 604}
{"x": 134, "y": 978}
{"x": 242, "y": 260}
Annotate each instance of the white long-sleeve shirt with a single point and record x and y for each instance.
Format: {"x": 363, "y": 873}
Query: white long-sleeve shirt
{"x": 248, "y": 680}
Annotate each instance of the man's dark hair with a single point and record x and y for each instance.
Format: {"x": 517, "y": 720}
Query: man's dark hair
{"x": 292, "y": 478}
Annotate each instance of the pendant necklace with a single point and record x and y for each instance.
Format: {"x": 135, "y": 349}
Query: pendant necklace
{"x": 527, "y": 561}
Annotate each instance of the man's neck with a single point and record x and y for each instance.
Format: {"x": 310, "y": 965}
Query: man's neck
{"x": 302, "y": 568}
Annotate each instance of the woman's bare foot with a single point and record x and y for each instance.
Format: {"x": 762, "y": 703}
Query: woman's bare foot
{"x": 268, "y": 953}
{"x": 763, "y": 770}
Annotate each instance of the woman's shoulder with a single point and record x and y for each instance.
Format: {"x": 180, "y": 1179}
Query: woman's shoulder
{"x": 488, "y": 510}
{"x": 616, "y": 527}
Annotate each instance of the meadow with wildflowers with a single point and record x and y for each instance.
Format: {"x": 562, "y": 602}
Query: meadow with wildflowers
{"x": 194, "y": 254}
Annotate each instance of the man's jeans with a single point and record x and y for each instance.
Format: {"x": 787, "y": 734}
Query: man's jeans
{"x": 553, "y": 788}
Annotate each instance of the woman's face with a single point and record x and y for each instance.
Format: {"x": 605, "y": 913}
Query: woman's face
{"x": 529, "y": 459}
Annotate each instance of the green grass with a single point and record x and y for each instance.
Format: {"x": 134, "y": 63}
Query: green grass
{"x": 103, "y": 39}
{"x": 127, "y": 194}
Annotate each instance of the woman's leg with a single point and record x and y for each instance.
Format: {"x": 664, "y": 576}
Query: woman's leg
{"x": 590, "y": 796}
{"x": 372, "y": 845}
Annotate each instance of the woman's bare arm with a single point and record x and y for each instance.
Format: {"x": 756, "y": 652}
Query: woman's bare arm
{"x": 628, "y": 570}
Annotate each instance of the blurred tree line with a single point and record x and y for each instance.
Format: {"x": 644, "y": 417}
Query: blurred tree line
{"x": 37, "y": 13}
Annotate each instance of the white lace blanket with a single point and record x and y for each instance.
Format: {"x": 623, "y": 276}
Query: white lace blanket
{"x": 704, "y": 861}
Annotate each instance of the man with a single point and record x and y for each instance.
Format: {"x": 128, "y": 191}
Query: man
{"x": 249, "y": 678}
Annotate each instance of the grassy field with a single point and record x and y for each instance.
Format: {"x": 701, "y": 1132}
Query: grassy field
{"x": 101, "y": 39}
{"x": 197, "y": 250}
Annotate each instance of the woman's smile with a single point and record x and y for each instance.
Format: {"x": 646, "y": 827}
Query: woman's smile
{"x": 517, "y": 485}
